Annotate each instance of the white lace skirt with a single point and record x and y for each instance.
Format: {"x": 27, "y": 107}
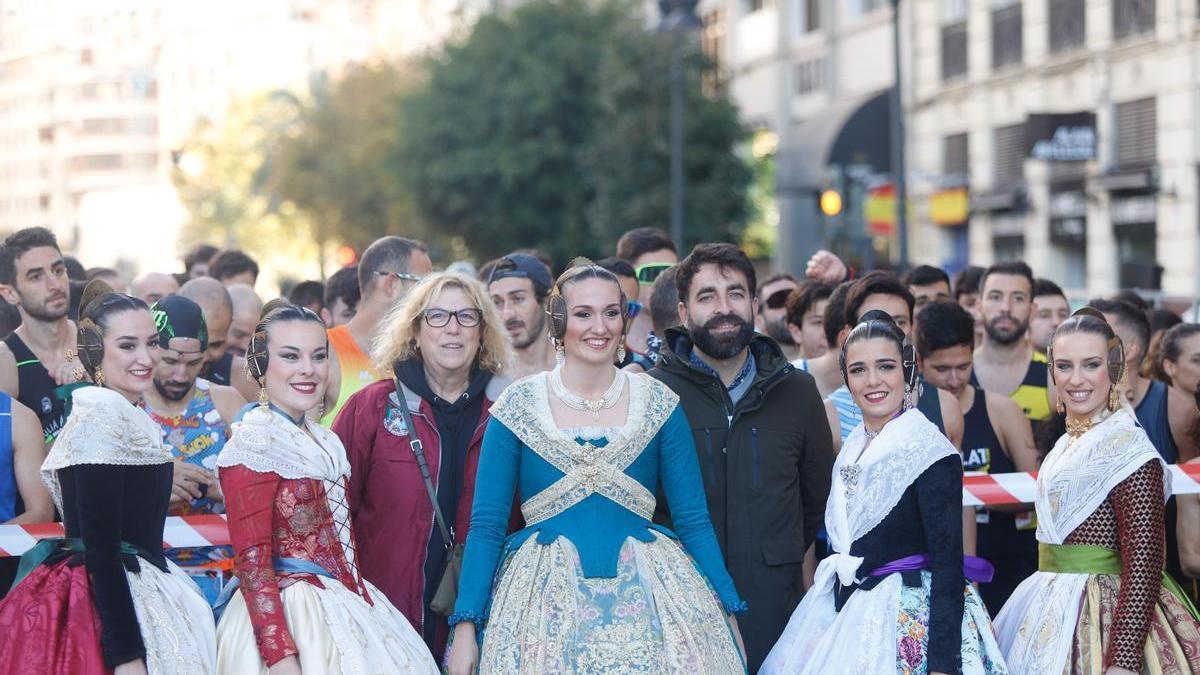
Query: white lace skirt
{"x": 883, "y": 630}
{"x": 175, "y": 621}
{"x": 335, "y": 631}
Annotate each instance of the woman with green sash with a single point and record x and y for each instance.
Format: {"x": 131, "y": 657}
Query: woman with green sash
{"x": 1100, "y": 602}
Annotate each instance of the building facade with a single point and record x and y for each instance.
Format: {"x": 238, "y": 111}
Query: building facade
{"x": 816, "y": 75}
{"x": 1060, "y": 132}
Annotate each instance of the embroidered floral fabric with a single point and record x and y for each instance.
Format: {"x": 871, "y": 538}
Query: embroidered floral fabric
{"x": 272, "y": 517}
{"x": 980, "y": 653}
{"x": 656, "y": 616}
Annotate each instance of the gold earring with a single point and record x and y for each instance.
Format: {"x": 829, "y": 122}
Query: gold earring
{"x": 99, "y": 376}
{"x": 620, "y": 353}
{"x": 1061, "y": 407}
{"x": 1114, "y": 400}
{"x": 263, "y": 399}
{"x": 560, "y": 353}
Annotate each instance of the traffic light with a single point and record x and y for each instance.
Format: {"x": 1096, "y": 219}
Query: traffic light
{"x": 830, "y": 202}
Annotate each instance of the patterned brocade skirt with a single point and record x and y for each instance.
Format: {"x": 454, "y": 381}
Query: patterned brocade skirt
{"x": 658, "y": 615}
{"x": 50, "y": 623}
{"x": 1035, "y": 640}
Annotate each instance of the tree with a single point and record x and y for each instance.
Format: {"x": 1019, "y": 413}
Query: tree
{"x": 547, "y": 126}
{"x": 336, "y": 166}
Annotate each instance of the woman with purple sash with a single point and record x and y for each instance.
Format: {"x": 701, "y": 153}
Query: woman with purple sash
{"x": 895, "y": 596}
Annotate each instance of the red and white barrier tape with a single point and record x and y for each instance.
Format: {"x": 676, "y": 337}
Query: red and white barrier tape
{"x": 211, "y": 530}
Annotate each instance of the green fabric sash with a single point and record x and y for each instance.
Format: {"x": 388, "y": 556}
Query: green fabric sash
{"x": 44, "y": 549}
{"x": 1087, "y": 559}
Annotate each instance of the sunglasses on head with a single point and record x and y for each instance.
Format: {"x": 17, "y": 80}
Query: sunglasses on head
{"x": 778, "y": 299}
{"x": 635, "y": 308}
{"x": 646, "y": 274}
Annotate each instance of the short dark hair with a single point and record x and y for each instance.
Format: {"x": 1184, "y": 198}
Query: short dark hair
{"x": 1131, "y": 296}
{"x": 1043, "y": 287}
{"x": 943, "y": 324}
{"x": 230, "y": 263}
{"x": 343, "y": 284}
{"x": 1162, "y": 319}
{"x": 664, "y": 302}
{"x": 386, "y": 254}
{"x": 967, "y": 281}
{"x": 308, "y": 293}
{"x": 778, "y": 276}
{"x": 1129, "y": 315}
{"x": 18, "y": 244}
{"x": 75, "y": 270}
{"x": 803, "y": 299}
{"x": 724, "y": 256}
{"x": 834, "y": 319}
{"x": 876, "y": 282}
{"x": 642, "y": 240}
{"x": 925, "y": 275}
{"x": 201, "y": 253}
{"x": 1014, "y": 268}
{"x": 618, "y": 266}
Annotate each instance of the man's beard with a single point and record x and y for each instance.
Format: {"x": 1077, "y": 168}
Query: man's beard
{"x": 532, "y": 336}
{"x": 172, "y": 394}
{"x": 1005, "y": 337}
{"x": 40, "y": 313}
{"x": 778, "y": 330}
{"x": 721, "y": 347}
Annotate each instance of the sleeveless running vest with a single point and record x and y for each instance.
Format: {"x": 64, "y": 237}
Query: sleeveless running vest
{"x": 357, "y": 369}
{"x": 196, "y": 436}
{"x": 1152, "y": 415}
{"x": 220, "y": 372}
{"x": 1031, "y": 394}
{"x": 9, "y": 496}
{"x": 38, "y": 390}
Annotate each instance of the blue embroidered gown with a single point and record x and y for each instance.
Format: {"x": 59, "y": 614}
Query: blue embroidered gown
{"x": 591, "y": 585}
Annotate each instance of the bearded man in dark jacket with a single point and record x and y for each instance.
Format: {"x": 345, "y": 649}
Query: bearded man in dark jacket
{"x": 761, "y": 435}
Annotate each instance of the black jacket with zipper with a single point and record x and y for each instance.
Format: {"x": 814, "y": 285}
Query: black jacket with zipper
{"x": 766, "y": 465}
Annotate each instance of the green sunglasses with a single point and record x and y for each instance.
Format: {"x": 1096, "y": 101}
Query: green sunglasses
{"x": 646, "y": 274}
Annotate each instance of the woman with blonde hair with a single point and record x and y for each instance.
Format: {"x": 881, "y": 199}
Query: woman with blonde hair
{"x": 413, "y": 441}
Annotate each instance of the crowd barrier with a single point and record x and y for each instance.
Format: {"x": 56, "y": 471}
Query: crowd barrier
{"x": 210, "y": 530}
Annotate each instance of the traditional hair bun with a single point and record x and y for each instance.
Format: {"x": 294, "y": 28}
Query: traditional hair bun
{"x": 94, "y": 289}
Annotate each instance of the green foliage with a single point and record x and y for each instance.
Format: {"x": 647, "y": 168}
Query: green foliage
{"x": 335, "y": 165}
{"x": 548, "y": 126}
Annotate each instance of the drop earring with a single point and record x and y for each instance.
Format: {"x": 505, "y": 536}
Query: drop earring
{"x": 621, "y": 353}
{"x": 99, "y": 376}
{"x": 1114, "y": 400}
{"x": 263, "y": 399}
{"x": 560, "y": 354}
{"x": 1061, "y": 407}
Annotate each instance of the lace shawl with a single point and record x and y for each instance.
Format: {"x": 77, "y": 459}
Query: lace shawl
{"x": 904, "y": 449}
{"x": 267, "y": 443}
{"x": 103, "y": 428}
{"x": 1077, "y": 477}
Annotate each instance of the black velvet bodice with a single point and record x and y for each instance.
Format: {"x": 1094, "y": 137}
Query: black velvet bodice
{"x": 105, "y": 505}
{"x": 927, "y": 519}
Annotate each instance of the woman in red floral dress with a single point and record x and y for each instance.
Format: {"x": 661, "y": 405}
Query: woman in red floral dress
{"x": 300, "y": 603}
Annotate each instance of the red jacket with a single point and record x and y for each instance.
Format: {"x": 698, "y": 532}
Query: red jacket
{"x": 392, "y": 516}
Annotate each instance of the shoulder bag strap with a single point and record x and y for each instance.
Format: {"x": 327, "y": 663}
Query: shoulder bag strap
{"x": 419, "y": 453}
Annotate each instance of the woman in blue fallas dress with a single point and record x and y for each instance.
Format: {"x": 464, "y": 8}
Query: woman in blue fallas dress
{"x": 591, "y": 585}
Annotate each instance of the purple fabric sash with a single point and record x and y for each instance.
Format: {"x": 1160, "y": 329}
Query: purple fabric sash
{"x": 974, "y": 569}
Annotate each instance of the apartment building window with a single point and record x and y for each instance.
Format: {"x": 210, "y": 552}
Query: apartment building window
{"x": 1009, "y": 148}
{"x": 755, "y": 5}
{"x": 712, "y": 43}
{"x": 1132, "y": 17}
{"x": 810, "y": 76}
{"x": 954, "y": 39}
{"x": 1137, "y": 133}
{"x": 956, "y": 158}
{"x": 809, "y": 16}
{"x": 1006, "y": 34}
{"x": 859, "y": 8}
{"x": 1067, "y": 24}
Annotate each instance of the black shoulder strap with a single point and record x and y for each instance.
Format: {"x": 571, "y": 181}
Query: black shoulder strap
{"x": 419, "y": 453}
{"x": 22, "y": 354}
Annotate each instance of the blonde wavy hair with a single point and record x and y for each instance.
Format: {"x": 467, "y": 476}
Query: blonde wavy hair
{"x": 397, "y": 337}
